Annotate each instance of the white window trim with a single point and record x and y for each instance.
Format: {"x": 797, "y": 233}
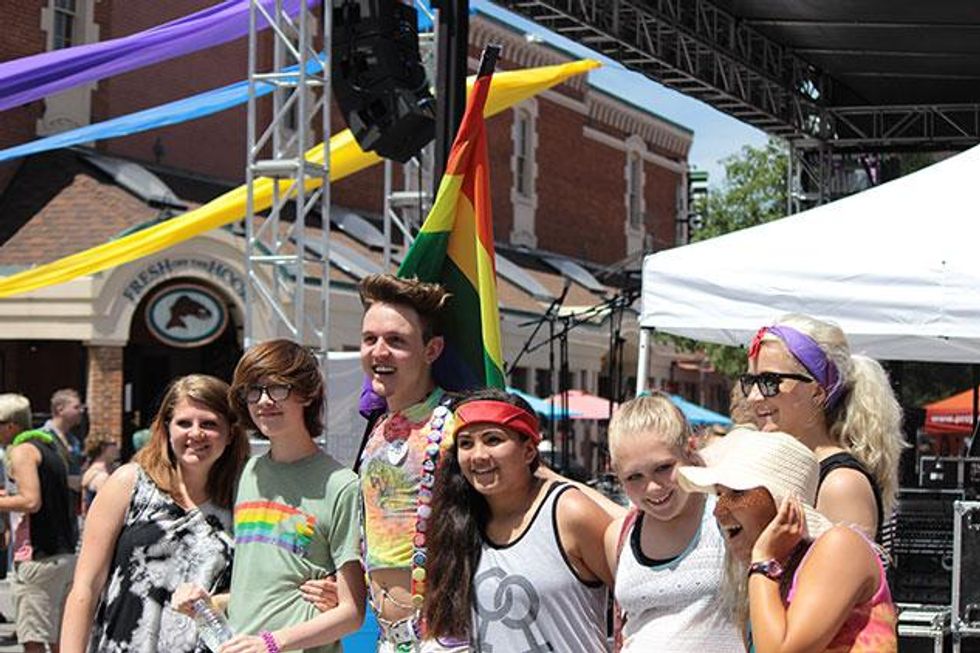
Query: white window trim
{"x": 71, "y": 108}
{"x": 524, "y": 204}
{"x": 635, "y": 149}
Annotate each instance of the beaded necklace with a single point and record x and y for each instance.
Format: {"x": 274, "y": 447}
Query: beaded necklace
{"x": 423, "y": 501}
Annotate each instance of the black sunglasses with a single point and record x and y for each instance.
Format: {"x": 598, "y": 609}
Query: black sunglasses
{"x": 276, "y": 392}
{"x": 768, "y": 382}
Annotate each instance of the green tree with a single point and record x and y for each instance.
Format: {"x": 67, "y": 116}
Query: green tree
{"x": 753, "y": 192}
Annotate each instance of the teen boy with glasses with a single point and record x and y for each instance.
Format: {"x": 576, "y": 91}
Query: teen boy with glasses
{"x": 296, "y": 513}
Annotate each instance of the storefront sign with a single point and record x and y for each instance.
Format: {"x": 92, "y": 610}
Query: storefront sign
{"x": 157, "y": 271}
{"x": 186, "y": 315}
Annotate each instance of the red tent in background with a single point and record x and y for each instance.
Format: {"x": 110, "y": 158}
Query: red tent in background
{"x": 951, "y": 416}
{"x": 582, "y": 405}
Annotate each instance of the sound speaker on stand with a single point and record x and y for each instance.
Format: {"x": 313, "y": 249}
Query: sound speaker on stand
{"x": 378, "y": 79}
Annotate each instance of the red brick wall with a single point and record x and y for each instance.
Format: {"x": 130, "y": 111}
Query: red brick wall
{"x": 580, "y": 189}
{"x": 500, "y": 149}
{"x": 104, "y": 391}
{"x": 214, "y": 145}
{"x": 22, "y": 36}
{"x": 660, "y": 194}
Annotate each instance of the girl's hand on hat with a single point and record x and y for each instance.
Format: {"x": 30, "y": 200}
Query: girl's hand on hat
{"x": 784, "y": 532}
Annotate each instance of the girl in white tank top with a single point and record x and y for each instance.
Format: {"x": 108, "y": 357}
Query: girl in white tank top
{"x": 668, "y": 552}
{"x": 517, "y": 563}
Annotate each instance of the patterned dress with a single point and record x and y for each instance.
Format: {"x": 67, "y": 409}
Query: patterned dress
{"x": 161, "y": 545}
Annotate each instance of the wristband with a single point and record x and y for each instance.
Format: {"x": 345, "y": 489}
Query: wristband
{"x": 271, "y": 645}
{"x": 771, "y": 569}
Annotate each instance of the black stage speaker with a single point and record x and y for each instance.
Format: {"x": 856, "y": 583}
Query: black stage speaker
{"x": 378, "y": 78}
{"x": 921, "y": 544}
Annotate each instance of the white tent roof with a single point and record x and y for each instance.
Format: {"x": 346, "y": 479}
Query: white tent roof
{"x": 896, "y": 266}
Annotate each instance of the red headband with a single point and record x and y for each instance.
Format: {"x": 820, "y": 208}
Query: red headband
{"x": 498, "y": 412}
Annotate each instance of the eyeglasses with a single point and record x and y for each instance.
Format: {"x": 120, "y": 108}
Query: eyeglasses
{"x": 769, "y": 382}
{"x": 275, "y": 392}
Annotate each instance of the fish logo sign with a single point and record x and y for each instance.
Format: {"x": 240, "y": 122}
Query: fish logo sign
{"x": 186, "y": 315}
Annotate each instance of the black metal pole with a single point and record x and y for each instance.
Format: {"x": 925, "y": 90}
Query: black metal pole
{"x": 452, "y": 44}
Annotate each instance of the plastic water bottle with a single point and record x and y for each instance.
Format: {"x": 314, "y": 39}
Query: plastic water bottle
{"x": 212, "y": 627}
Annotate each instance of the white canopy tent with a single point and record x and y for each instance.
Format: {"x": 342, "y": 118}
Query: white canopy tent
{"x": 896, "y": 266}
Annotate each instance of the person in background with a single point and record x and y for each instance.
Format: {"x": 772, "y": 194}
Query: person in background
{"x": 798, "y": 582}
{"x": 804, "y": 380}
{"x": 140, "y": 438}
{"x": 44, "y": 526}
{"x": 667, "y": 553}
{"x": 101, "y": 455}
{"x": 296, "y": 513}
{"x": 67, "y": 412}
{"x": 517, "y": 562}
{"x": 158, "y": 522}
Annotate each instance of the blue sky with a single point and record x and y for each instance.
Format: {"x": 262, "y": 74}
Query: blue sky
{"x": 716, "y": 135}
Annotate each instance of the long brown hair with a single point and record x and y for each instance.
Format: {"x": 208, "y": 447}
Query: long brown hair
{"x": 157, "y": 458}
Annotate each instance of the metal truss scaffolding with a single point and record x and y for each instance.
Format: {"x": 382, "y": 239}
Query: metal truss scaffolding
{"x": 699, "y": 50}
{"x": 723, "y": 59}
{"x": 287, "y": 261}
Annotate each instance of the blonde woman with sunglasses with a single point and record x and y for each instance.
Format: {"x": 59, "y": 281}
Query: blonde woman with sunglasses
{"x": 804, "y": 380}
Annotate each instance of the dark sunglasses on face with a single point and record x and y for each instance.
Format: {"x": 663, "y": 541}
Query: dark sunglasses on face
{"x": 275, "y": 391}
{"x": 769, "y": 382}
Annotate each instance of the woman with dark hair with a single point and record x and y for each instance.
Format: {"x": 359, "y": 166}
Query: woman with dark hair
{"x": 160, "y": 521}
{"x": 517, "y": 561}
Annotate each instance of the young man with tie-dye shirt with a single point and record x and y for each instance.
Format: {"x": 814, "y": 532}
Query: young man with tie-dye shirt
{"x": 296, "y": 513}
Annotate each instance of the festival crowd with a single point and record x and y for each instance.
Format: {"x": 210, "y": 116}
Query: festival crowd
{"x": 451, "y": 528}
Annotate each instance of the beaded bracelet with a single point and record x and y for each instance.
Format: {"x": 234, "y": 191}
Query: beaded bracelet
{"x": 271, "y": 645}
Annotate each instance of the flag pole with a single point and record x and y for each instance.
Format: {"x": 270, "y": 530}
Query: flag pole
{"x": 488, "y": 60}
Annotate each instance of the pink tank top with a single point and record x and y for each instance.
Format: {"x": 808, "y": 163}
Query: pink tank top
{"x": 871, "y": 627}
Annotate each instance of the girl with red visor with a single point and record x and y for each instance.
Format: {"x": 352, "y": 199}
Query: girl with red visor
{"x": 517, "y": 561}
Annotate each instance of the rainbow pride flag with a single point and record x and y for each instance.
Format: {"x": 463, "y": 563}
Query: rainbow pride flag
{"x": 455, "y": 248}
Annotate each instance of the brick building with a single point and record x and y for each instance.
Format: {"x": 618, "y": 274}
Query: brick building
{"x": 575, "y": 172}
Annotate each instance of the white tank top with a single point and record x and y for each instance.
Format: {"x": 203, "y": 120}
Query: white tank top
{"x": 528, "y": 598}
{"x": 676, "y": 605}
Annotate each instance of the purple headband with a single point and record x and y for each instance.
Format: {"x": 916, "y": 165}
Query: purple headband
{"x": 806, "y": 350}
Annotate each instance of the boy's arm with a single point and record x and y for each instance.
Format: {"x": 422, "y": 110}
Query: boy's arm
{"x": 333, "y": 624}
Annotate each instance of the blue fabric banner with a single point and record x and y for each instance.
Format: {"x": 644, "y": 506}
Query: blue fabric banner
{"x": 172, "y": 113}
{"x": 31, "y": 78}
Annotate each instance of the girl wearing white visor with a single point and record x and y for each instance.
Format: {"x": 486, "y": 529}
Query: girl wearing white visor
{"x": 797, "y": 581}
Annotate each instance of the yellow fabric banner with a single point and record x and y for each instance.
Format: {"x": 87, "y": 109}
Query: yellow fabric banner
{"x": 346, "y": 158}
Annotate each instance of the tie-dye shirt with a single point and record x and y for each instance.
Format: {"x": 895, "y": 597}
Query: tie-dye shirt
{"x": 871, "y": 627}
{"x": 293, "y": 522}
{"x": 390, "y": 489}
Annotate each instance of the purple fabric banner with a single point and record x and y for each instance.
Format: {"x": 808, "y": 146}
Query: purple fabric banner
{"x": 30, "y": 78}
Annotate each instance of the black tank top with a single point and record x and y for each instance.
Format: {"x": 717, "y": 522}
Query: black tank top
{"x": 54, "y": 528}
{"x": 844, "y": 460}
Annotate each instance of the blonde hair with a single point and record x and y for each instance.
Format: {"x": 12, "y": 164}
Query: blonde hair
{"x": 867, "y": 421}
{"x": 654, "y": 414}
{"x": 15, "y": 408}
